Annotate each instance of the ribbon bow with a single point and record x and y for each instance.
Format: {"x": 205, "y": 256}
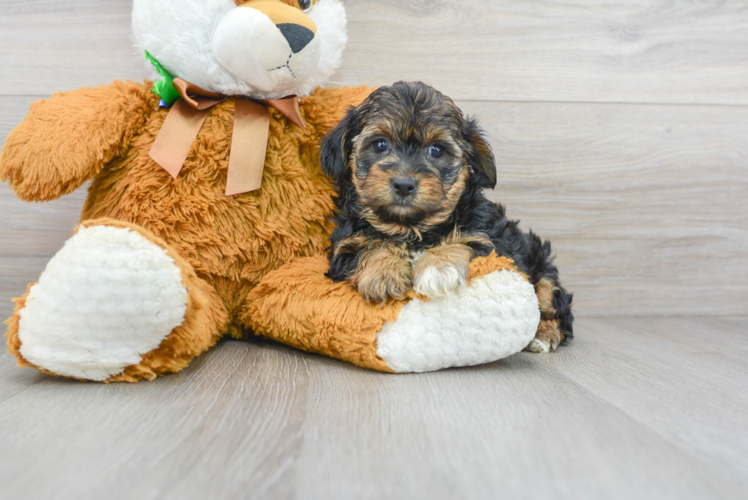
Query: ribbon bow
{"x": 248, "y": 143}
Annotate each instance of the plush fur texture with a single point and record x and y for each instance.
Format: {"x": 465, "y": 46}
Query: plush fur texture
{"x": 409, "y": 169}
{"x": 42, "y": 162}
{"x": 184, "y": 36}
{"x": 493, "y": 317}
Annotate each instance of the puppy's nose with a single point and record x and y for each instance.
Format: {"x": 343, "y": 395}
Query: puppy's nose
{"x": 404, "y": 186}
{"x": 298, "y": 36}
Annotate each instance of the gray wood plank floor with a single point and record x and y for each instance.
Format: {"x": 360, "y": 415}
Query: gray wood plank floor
{"x": 635, "y": 408}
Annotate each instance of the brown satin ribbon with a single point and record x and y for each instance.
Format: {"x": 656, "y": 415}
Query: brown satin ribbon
{"x": 248, "y": 143}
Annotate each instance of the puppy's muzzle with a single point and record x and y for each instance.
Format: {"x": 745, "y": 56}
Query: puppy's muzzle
{"x": 404, "y": 187}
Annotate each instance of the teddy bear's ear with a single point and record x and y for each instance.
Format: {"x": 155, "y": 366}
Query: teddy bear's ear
{"x": 480, "y": 156}
{"x": 336, "y": 147}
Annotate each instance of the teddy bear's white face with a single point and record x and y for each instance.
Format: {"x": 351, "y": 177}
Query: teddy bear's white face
{"x": 269, "y": 44}
{"x": 259, "y": 48}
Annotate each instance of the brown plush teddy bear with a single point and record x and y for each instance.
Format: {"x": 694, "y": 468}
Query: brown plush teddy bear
{"x": 205, "y": 186}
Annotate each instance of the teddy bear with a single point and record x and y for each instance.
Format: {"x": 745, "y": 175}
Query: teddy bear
{"x": 208, "y": 214}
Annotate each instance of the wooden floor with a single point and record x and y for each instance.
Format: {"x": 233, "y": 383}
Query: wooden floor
{"x": 635, "y": 408}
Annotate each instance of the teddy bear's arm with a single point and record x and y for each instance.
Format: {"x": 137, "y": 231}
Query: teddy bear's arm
{"x": 67, "y": 139}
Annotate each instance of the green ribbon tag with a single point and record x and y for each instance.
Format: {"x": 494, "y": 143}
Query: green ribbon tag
{"x": 164, "y": 88}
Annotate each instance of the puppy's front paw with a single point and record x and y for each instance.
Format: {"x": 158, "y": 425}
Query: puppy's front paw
{"x": 435, "y": 281}
{"x": 392, "y": 284}
{"x": 384, "y": 273}
{"x": 442, "y": 270}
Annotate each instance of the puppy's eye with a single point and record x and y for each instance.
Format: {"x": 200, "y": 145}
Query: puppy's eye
{"x": 306, "y": 5}
{"x": 380, "y": 147}
{"x": 436, "y": 151}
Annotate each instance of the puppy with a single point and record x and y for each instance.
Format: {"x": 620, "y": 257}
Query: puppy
{"x": 409, "y": 169}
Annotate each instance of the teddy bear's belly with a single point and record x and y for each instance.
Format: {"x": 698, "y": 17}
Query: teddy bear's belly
{"x": 232, "y": 242}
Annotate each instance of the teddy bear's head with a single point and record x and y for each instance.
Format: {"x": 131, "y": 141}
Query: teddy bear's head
{"x": 265, "y": 49}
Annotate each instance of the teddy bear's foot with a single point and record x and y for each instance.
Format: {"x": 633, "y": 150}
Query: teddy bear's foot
{"x": 488, "y": 320}
{"x": 106, "y": 302}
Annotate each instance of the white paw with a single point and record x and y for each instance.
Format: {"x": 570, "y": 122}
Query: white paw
{"x": 108, "y": 297}
{"x": 439, "y": 281}
{"x": 539, "y": 346}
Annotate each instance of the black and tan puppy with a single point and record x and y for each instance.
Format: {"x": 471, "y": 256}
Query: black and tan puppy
{"x": 410, "y": 169}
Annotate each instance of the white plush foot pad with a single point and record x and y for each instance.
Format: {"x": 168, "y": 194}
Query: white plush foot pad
{"x": 108, "y": 297}
{"x": 496, "y": 316}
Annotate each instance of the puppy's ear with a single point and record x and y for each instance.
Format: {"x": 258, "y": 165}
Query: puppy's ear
{"x": 336, "y": 148}
{"x": 480, "y": 155}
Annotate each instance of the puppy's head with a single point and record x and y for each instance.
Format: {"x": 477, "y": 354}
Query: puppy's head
{"x": 409, "y": 153}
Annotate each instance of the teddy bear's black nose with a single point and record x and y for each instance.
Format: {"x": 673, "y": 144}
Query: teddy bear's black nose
{"x": 298, "y": 36}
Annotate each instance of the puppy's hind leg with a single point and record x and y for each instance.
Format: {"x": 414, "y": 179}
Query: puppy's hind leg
{"x": 556, "y": 318}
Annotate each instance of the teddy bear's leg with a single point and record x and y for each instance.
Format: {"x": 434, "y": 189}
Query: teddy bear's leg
{"x": 493, "y": 315}
{"x": 115, "y": 304}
